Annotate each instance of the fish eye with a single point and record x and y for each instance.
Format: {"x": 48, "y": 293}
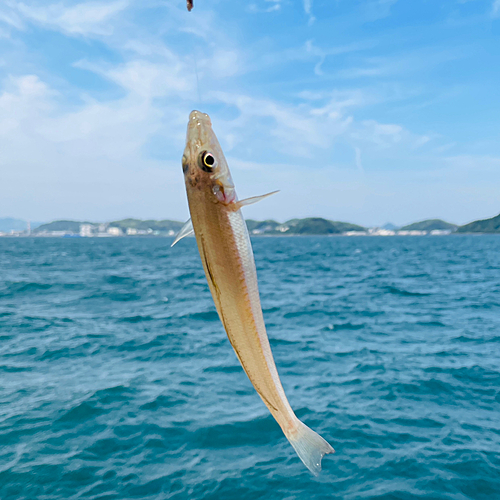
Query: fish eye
{"x": 208, "y": 162}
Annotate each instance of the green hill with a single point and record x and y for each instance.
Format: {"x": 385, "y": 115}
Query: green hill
{"x": 430, "y": 225}
{"x": 312, "y": 226}
{"x": 317, "y": 225}
{"x": 482, "y": 226}
{"x": 347, "y": 226}
{"x": 262, "y": 226}
{"x": 74, "y": 226}
{"x": 155, "y": 225}
{"x": 70, "y": 226}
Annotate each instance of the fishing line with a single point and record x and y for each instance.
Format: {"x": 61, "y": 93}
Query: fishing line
{"x": 197, "y": 77}
{"x": 195, "y": 57}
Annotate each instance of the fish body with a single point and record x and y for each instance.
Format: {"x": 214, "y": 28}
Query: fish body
{"x": 226, "y": 254}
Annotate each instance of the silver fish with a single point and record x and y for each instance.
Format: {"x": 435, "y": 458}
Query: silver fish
{"x": 227, "y": 257}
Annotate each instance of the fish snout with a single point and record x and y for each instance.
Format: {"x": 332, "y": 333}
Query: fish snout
{"x": 198, "y": 119}
{"x": 199, "y": 131}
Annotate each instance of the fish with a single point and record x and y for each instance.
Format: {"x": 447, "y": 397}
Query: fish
{"x": 227, "y": 257}
{"x": 189, "y": 5}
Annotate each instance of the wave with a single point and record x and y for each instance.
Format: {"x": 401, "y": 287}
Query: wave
{"x": 344, "y": 326}
{"x": 108, "y": 392}
{"x": 136, "y": 319}
{"x": 202, "y": 316}
{"x": 404, "y": 293}
{"x": 22, "y": 287}
{"x": 79, "y": 414}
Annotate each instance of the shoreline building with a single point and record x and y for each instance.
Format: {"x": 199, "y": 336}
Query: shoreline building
{"x": 86, "y": 230}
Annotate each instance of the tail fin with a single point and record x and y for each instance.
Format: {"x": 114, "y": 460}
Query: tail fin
{"x": 310, "y": 447}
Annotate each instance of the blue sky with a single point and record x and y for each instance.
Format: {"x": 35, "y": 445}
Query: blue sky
{"x": 366, "y": 111}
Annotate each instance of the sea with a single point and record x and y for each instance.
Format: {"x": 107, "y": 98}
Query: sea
{"x": 117, "y": 380}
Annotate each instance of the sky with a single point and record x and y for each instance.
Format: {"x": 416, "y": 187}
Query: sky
{"x": 367, "y": 111}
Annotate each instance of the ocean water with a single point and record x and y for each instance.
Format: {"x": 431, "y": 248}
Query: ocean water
{"x": 117, "y": 380}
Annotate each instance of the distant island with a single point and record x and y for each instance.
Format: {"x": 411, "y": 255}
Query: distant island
{"x": 136, "y": 227}
{"x": 311, "y": 225}
{"x": 482, "y": 226}
{"x": 125, "y": 227}
{"x": 307, "y": 226}
{"x": 430, "y": 225}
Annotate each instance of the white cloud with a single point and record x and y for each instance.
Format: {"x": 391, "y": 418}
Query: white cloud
{"x": 495, "y": 8}
{"x": 269, "y": 6}
{"x": 10, "y": 17}
{"x": 98, "y": 150}
{"x": 308, "y": 11}
{"x": 150, "y": 80}
{"x": 92, "y": 160}
{"x": 417, "y": 61}
{"x": 319, "y": 53}
{"x": 310, "y": 49}
{"x": 94, "y": 157}
{"x": 382, "y": 134}
{"x": 80, "y": 19}
{"x": 323, "y": 148}
{"x": 296, "y": 130}
{"x": 338, "y": 99}
{"x": 86, "y": 161}
{"x": 317, "y": 131}
{"x": 223, "y": 63}
{"x": 26, "y": 99}
{"x": 378, "y": 9}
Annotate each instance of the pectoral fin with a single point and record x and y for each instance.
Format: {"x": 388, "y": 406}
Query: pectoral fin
{"x": 250, "y": 201}
{"x": 186, "y": 230}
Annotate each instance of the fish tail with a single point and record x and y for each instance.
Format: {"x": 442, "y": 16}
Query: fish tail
{"x": 310, "y": 446}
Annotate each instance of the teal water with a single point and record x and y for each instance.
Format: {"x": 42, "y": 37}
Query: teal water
{"x": 118, "y": 381}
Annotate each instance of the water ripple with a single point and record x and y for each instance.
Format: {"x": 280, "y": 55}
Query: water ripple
{"x": 118, "y": 381}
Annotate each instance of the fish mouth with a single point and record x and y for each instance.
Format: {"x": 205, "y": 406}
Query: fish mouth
{"x": 199, "y": 117}
{"x": 199, "y": 129}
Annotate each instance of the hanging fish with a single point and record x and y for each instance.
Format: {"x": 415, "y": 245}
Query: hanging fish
{"x": 227, "y": 257}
